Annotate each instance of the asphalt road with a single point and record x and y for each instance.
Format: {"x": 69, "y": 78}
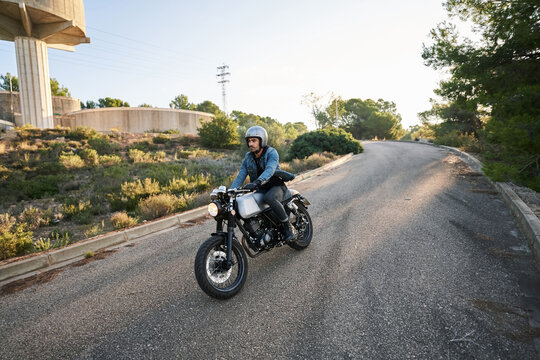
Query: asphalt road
{"x": 412, "y": 257}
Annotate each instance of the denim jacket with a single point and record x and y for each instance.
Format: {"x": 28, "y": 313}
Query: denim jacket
{"x": 269, "y": 162}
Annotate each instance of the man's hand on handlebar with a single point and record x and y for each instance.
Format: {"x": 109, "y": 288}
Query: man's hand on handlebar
{"x": 253, "y": 186}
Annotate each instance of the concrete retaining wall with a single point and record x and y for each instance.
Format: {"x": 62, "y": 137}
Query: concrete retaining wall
{"x": 136, "y": 120}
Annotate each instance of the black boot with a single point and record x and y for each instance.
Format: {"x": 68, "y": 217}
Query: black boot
{"x": 286, "y": 231}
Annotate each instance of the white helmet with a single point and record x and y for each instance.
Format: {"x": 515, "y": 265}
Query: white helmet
{"x": 257, "y": 132}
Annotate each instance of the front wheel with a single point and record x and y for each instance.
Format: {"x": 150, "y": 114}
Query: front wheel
{"x": 215, "y": 278}
{"x": 304, "y": 228}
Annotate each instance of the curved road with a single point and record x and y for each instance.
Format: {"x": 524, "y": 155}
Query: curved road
{"x": 412, "y": 257}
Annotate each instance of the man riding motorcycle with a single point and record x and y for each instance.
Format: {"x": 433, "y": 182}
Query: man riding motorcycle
{"x": 260, "y": 163}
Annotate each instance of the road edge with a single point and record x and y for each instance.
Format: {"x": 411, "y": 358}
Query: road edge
{"x": 42, "y": 262}
{"x": 527, "y": 220}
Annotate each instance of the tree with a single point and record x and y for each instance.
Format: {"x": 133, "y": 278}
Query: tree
{"x": 366, "y": 119}
{"x": 4, "y": 84}
{"x": 89, "y": 105}
{"x": 111, "y": 102}
{"x": 318, "y": 111}
{"x": 58, "y": 90}
{"x": 208, "y": 107}
{"x": 219, "y": 133}
{"x": 494, "y": 81}
{"x": 145, "y": 105}
{"x": 181, "y": 102}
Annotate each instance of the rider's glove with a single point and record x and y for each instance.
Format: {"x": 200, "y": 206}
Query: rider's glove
{"x": 253, "y": 186}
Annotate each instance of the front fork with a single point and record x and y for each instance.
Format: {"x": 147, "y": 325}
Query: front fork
{"x": 228, "y": 236}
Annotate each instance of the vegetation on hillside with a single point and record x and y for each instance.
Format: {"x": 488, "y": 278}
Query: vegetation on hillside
{"x": 59, "y": 185}
{"x": 490, "y": 99}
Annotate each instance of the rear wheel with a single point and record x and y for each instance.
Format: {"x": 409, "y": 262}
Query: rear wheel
{"x": 303, "y": 227}
{"x": 215, "y": 278}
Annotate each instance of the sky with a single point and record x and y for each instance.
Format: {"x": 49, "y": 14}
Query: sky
{"x": 277, "y": 52}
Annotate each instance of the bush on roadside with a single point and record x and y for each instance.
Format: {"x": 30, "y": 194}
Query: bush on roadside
{"x": 132, "y": 192}
{"x": 121, "y": 220}
{"x": 79, "y": 211}
{"x": 196, "y": 183}
{"x": 219, "y": 133}
{"x": 160, "y": 205}
{"x": 36, "y": 217}
{"x": 313, "y": 161}
{"x": 52, "y": 242}
{"x": 337, "y": 141}
{"x": 15, "y": 240}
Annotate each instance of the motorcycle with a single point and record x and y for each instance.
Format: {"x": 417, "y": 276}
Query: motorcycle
{"x": 221, "y": 264}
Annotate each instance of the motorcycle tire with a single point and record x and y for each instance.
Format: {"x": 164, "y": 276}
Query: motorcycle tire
{"x": 304, "y": 228}
{"x": 210, "y": 268}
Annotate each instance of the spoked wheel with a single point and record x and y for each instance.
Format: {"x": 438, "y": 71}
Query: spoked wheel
{"x": 304, "y": 228}
{"x": 215, "y": 278}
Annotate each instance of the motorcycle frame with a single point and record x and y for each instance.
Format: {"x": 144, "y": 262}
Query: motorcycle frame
{"x": 233, "y": 220}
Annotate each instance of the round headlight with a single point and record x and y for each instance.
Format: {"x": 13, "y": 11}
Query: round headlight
{"x": 213, "y": 209}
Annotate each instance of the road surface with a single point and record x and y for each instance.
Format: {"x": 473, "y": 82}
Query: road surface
{"x": 412, "y": 257}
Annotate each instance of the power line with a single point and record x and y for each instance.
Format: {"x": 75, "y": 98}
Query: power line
{"x": 221, "y": 80}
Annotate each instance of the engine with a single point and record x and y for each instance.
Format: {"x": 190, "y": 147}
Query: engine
{"x": 257, "y": 229}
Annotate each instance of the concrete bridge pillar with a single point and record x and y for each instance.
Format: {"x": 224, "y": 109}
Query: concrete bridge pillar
{"x": 34, "y": 82}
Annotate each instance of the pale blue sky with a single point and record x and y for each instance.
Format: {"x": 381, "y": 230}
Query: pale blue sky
{"x": 277, "y": 51}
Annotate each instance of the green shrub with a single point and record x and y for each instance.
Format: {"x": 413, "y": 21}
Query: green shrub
{"x": 144, "y": 145}
{"x": 195, "y": 183}
{"x": 219, "y": 133}
{"x": 71, "y": 161}
{"x": 109, "y": 160}
{"x": 47, "y": 168}
{"x": 6, "y": 222}
{"x": 313, "y": 161}
{"x": 36, "y": 217}
{"x": 132, "y": 192}
{"x": 337, "y": 141}
{"x": 121, "y": 220}
{"x": 139, "y": 189}
{"x": 93, "y": 230}
{"x": 15, "y": 240}
{"x": 42, "y": 245}
{"x": 51, "y": 242}
{"x": 138, "y": 156}
{"x": 162, "y": 172}
{"x": 82, "y": 132}
{"x": 40, "y": 186}
{"x": 103, "y": 145}
{"x": 159, "y": 155}
{"x": 90, "y": 157}
{"x": 53, "y": 150}
{"x": 161, "y": 139}
{"x": 160, "y": 205}
{"x": 80, "y": 211}
{"x": 28, "y": 131}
